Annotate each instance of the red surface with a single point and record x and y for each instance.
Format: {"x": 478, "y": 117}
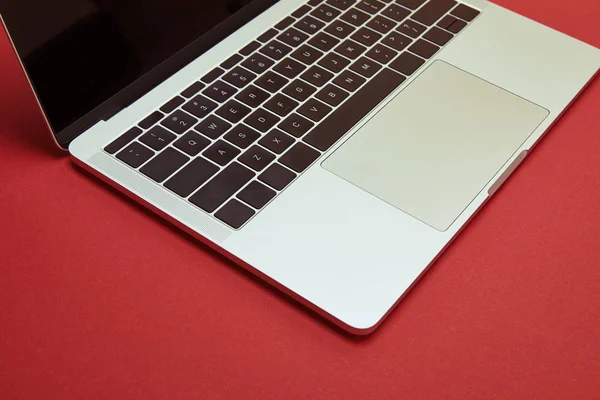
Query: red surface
{"x": 101, "y": 300}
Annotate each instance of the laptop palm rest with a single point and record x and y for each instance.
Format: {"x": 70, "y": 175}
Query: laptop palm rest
{"x": 433, "y": 148}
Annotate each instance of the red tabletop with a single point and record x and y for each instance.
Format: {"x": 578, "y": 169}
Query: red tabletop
{"x": 99, "y": 299}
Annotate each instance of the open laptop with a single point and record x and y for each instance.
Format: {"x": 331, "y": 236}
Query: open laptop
{"x": 332, "y": 147}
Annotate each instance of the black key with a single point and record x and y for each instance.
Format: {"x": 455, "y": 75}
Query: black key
{"x": 341, "y": 4}
{"x": 411, "y": 28}
{"x": 365, "y": 67}
{"x": 220, "y": 91}
{"x": 164, "y": 165}
{"x": 193, "y": 89}
{"x": 222, "y": 187}
{"x": 262, "y": 120}
{"x": 299, "y": 157}
{"x": 235, "y": 214}
{"x": 239, "y": 77}
{"x": 281, "y": 105}
{"x": 213, "y": 127}
{"x": 349, "y": 81}
{"x": 233, "y": 111}
{"x": 424, "y": 49}
{"x": 268, "y": 35}
{"x": 412, "y": 4}
{"x": 212, "y": 75}
{"x": 256, "y": 194}
{"x": 179, "y": 122}
{"x": 407, "y": 64}
{"x": 192, "y": 143}
{"x": 332, "y": 95}
{"x": 317, "y": 76}
{"x": 157, "y": 138}
{"x": 293, "y": 37}
{"x": 438, "y": 36}
{"x": 135, "y": 154}
{"x": 277, "y": 176}
{"x": 371, "y": 6}
{"x": 271, "y": 82}
{"x": 258, "y": 63}
{"x": 257, "y": 158}
{"x": 396, "y": 12}
{"x": 151, "y": 119}
{"x": 334, "y": 62}
{"x": 366, "y": 36}
{"x": 276, "y": 50}
{"x": 452, "y": 24}
{"x": 340, "y": 29}
{"x": 200, "y": 106}
{"x": 231, "y": 61}
{"x": 323, "y": 41}
{"x": 353, "y": 110}
{"x": 307, "y": 54}
{"x": 296, "y": 125}
{"x": 381, "y": 24}
{"x": 252, "y": 96}
{"x": 299, "y": 90}
{"x": 289, "y": 68}
{"x": 250, "y": 48}
{"x": 397, "y": 41}
{"x": 221, "y": 152}
{"x": 314, "y": 110}
{"x": 350, "y": 49}
{"x": 314, "y": 3}
{"x": 309, "y": 25}
{"x": 325, "y": 13}
{"x": 465, "y": 12}
{"x": 123, "y": 140}
{"x": 355, "y": 17}
{"x": 382, "y": 54}
{"x": 301, "y": 12}
{"x": 433, "y": 10}
{"x": 284, "y": 23}
{"x": 277, "y": 141}
{"x": 172, "y": 104}
{"x": 191, "y": 177}
{"x": 242, "y": 136}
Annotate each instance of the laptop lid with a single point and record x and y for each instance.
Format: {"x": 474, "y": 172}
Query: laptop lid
{"x": 88, "y": 59}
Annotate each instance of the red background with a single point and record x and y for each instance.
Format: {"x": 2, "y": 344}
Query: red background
{"x": 99, "y": 299}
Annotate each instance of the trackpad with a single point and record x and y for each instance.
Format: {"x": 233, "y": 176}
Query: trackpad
{"x": 437, "y": 144}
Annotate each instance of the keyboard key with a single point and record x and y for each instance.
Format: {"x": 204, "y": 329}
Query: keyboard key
{"x": 135, "y": 154}
{"x": 235, "y": 214}
{"x": 371, "y": 6}
{"x": 407, "y": 64}
{"x": 277, "y": 141}
{"x": 221, "y": 152}
{"x": 262, "y": 120}
{"x": 340, "y": 29}
{"x": 277, "y": 177}
{"x": 438, "y": 36}
{"x": 212, "y": 75}
{"x": 268, "y": 35}
{"x": 200, "y": 106}
{"x": 412, "y": 4}
{"x": 381, "y": 24}
{"x": 192, "y": 143}
{"x": 242, "y": 136}
{"x": 179, "y": 122}
{"x": 239, "y": 77}
{"x": 366, "y": 36}
{"x": 293, "y": 37}
{"x": 123, "y": 140}
{"x": 317, "y": 76}
{"x": 314, "y": 110}
{"x": 323, "y": 41}
{"x": 452, "y": 24}
{"x": 325, "y": 13}
{"x": 331, "y": 129}
{"x": 350, "y": 49}
{"x": 382, "y": 54}
{"x": 250, "y": 48}
{"x": 233, "y": 111}
{"x": 396, "y": 12}
{"x": 314, "y": 3}
{"x": 299, "y": 13}
{"x": 284, "y": 23}
{"x": 397, "y": 41}
{"x": 355, "y": 17}
{"x": 276, "y": 50}
{"x": 172, "y": 104}
{"x": 281, "y": 105}
{"x": 411, "y": 28}
{"x": 271, "y": 82}
{"x": 299, "y": 90}
{"x": 257, "y": 158}
{"x": 332, "y": 95}
{"x": 309, "y": 25}
{"x": 232, "y": 61}
{"x": 334, "y": 62}
{"x": 465, "y": 12}
{"x": 349, "y": 81}
{"x": 299, "y": 157}
{"x": 193, "y": 89}
{"x": 222, "y": 187}
{"x": 341, "y": 4}
{"x": 365, "y": 67}
{"x": 220, "y": 91}
{"x": 252, "y": 96}
{"x": 213, "y": 127}
{"x": 424, "y": 49}
{"x": 164, "y": 165}
{"x": 307, "y": 54}
{"x": 256, "y": 194}
{"x": 289, "y": 68}
{"x": 157, "y": 138}
{"x": 433, "y": 10}
{"x": 296, "y": 125}
{"x": 151, "y": 119}
{"x": 191, "y": 177}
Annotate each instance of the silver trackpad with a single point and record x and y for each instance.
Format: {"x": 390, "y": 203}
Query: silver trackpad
{"x": 433, "y": 148}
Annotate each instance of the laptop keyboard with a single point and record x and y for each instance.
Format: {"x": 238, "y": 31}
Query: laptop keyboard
{"x": 241, "y": 134}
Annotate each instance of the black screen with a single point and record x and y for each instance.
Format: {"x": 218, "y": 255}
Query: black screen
{"x": 80, "y": 53}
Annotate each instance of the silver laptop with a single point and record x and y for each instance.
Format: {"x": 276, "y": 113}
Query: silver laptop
{"x": 334, "y": 148}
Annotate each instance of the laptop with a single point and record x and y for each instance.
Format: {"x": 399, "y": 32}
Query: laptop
{"x": 334, "y": 148}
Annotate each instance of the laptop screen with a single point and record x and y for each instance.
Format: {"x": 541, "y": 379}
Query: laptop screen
{"x": 80, "y": 53}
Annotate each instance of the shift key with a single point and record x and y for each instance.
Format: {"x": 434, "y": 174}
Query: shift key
{"x": 222, "y": 187}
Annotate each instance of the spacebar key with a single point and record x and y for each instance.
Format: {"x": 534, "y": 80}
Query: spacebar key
{"x": 330, "y": 130}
